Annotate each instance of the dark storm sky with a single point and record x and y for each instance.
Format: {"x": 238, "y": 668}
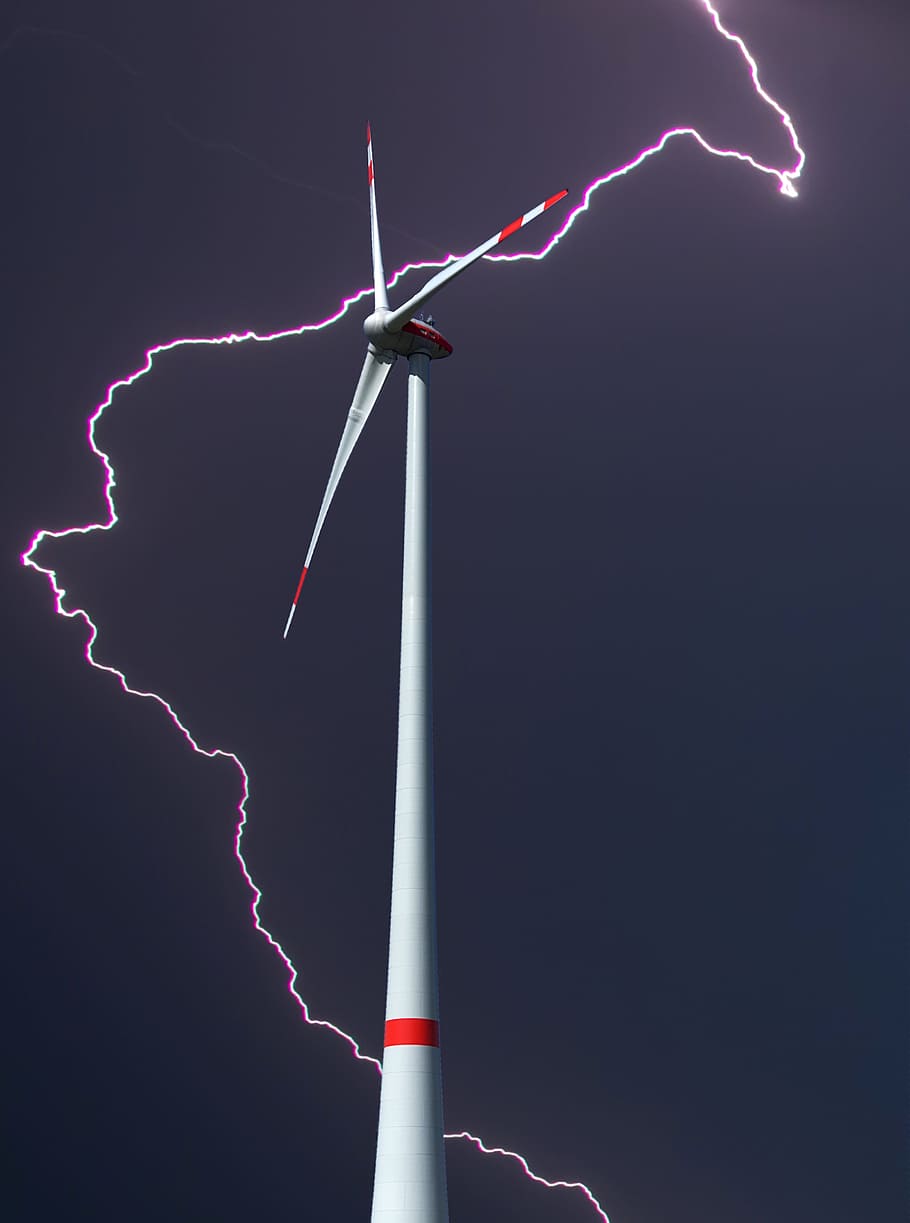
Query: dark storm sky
{"x": 671, "y": 596}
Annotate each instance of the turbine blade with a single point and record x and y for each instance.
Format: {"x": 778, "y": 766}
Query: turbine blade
{"x": 380, "y": 296}
{"x": 372, "y": 379}
{"x": 397, "y": 319}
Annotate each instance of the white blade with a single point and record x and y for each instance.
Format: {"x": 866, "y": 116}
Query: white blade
{"x": 372, "y": 379}
{"x": 380, "y": 297}
{"x": 397, "y": 319}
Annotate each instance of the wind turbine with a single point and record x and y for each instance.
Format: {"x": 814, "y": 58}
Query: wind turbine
{"x": 410, "y": 1179}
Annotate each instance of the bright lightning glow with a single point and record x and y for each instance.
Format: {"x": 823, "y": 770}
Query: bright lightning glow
{"x": 786, "y": 179}
{"x": 532, "y": 1176}
{"x": 78, "y": 613}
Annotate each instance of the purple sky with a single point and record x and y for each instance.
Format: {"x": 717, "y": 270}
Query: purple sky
{"x": 671, "y": 595}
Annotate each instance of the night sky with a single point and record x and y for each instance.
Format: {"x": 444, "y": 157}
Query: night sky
{"x": 672, "y": 608}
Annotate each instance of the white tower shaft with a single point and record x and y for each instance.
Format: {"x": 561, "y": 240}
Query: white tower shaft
{"x": 410, "y": 1179}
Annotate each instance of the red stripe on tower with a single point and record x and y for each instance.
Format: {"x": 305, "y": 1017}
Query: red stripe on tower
{"x": 412, "y": 1032}
{"x": 554, "y": 199}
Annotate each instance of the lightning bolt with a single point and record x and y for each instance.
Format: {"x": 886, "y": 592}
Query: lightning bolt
{"x": 786, "y": 180}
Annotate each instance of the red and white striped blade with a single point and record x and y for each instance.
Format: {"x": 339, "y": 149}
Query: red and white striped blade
{"x": 380, "y": 296}
{"x": 372, "y": 379}
{"x": 399, "y": 317}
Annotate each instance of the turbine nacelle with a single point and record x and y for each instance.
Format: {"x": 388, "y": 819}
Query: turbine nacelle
{"x": 415, "y": 335}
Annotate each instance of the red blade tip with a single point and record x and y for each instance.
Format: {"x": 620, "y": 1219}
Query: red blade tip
{"x": 299, "y": 585}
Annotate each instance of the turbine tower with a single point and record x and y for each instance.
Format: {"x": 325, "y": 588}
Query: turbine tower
{"x": 410, "y": 1178}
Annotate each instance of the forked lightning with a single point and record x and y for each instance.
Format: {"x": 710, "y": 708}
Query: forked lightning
{"x": 786, "y": 177}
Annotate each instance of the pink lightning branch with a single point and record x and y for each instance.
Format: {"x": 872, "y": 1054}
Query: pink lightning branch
{"x": 786, "y": 179}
